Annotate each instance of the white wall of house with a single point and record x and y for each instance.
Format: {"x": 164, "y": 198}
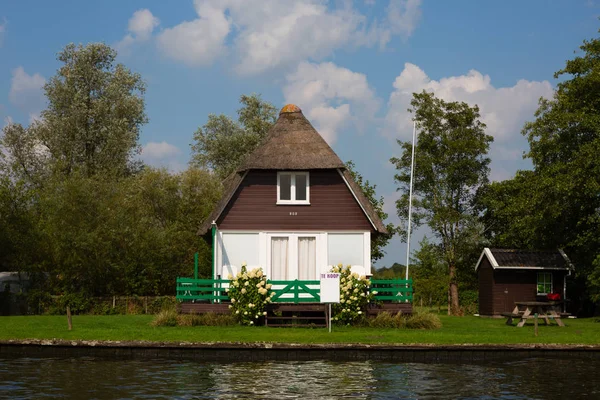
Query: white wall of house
{"x": 292, "y": 255}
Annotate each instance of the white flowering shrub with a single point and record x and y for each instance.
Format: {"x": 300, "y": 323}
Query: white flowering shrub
{"x": 249, "y": 293}
{"x": 355, "y": 295}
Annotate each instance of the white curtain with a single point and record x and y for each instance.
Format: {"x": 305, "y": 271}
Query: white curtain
{"x": 279, "y": 258}
{"x": 307, "y": 258}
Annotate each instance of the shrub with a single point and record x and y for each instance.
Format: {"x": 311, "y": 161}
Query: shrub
{"x": 469, "y": 300}
{"x": 354, "y": 296}
{"x": 159, "y": 303}
{"x": 423, "y": 321}
{"x": 387, "y": 320}
{"x": 249, "y": 293}
{"x": 166, "y": 317}
{"x": 405, "y": 321}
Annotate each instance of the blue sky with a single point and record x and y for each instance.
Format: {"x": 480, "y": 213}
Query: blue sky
{"x": 351, "y": 66}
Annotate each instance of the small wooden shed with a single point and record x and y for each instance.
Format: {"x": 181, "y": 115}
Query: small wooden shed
{"x": 509, "y": 275}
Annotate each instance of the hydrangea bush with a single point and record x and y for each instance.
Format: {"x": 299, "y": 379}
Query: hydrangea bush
{"x": 249, "y": 293}
{"x": 355, "y": 295}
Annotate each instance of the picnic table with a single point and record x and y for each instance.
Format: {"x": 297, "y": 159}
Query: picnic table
{"x": 545, "y": 310}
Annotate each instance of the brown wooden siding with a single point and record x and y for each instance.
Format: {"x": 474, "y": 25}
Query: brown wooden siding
{"x": 486, "y": 283}
{"x": 510, "y": 285}
{"x": 332, "y": 206}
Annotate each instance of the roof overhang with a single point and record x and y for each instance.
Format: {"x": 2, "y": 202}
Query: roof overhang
{"x": 490, "y": 256}
{"x": 357, "y": 200}
{"x": 487, "y": 253}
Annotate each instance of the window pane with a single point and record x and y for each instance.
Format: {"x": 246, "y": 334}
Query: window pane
{"x": 279, "y": 258}
{"x": 345, "y": 248}
{"x": 300, "y": 187}
{"x": 285, "y": 187}
{"x": 544, "y": 282}
{"x": 307, "y": 258}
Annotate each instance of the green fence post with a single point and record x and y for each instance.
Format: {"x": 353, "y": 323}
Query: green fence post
{"x": 196, "y": 266}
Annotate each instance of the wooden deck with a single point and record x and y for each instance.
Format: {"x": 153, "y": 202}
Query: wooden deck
{"x": 297, "y": 315}
{"x": 294, "y": 315}
{"x": 203, "y": 308}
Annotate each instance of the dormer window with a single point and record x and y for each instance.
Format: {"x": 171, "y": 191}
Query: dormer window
{"x": 293, "y": 188}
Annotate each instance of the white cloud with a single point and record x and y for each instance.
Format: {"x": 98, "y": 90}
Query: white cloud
{"x": 26, "y": 92}
{"x": 140, "y": 28}
{"x": 270, "y": 34}
{"x": 504, "y": 110}
{"x": 142, "y": 23}
{"x": 163, "y": 154}
{"x": 201, "y": 41}
{"x": 285, "y": 33}
{"x": 402, "y": 17}
{"x": 331, "y": 97}
{"x": 160, "y": 150}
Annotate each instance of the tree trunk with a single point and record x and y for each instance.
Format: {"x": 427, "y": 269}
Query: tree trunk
{"x": 69, "y": 319}
{"x": 453, "y": 305}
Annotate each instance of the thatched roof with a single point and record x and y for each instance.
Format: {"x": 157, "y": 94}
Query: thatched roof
{"x": 292, "y": 144}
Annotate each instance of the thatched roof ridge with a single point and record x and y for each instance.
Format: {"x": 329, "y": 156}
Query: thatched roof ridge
{"x": 292, "y": 144}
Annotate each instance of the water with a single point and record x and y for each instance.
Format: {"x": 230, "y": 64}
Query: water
{"x": 88, "y": 378}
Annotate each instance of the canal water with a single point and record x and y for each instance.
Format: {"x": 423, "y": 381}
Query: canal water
{"x": 89, "y": 378}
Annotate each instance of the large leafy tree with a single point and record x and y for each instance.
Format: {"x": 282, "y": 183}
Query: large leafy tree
{"x": 93, "y": 120}
{"x": 451, "y": 165}
{"x": 558, "y": 203}
{"x": 223, "y": 143}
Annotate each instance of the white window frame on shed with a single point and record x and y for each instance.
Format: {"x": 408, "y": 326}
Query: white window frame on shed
{"x": 293, "y": 199}
{"x": 541, "y": 280}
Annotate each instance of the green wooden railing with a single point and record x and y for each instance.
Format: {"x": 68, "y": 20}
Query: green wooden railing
{"x": 209, "y": 290}
{"x": 296, "y": 291}
{"x": 400, "y": 290}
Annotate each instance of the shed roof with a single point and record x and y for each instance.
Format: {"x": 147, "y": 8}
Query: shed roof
{"x": 292, "y": 144}
{"x": 526, "y": 259}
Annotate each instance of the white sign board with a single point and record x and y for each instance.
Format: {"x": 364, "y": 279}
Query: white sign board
{"x": 330, "y": 287}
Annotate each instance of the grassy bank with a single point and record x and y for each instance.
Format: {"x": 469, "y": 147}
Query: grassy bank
{"x": 455, "y": 330}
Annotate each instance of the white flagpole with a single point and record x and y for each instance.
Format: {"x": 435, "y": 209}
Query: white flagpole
{"x": 412, "y": 166}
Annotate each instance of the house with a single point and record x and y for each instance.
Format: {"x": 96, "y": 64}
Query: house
{"x": 292, "y": 208}
{"x": 509, "y": 275}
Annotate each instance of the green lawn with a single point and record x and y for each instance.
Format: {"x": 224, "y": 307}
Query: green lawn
{"x": 455, "y": 330}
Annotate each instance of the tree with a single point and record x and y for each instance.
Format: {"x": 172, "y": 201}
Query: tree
{"x": 222, "y": 143}
{"x": 451, "y": 165}
{"x": 557, "y": 204}
{"x": 379, "y": 241}
{"x": 429, "y": 274}
{"x": 93, "y": 120}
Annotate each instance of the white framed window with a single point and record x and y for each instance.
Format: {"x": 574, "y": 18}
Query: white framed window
{"x": 293, "y": 188}
{"x": 544, "y": 283}
{"x": 294, "y": 256}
